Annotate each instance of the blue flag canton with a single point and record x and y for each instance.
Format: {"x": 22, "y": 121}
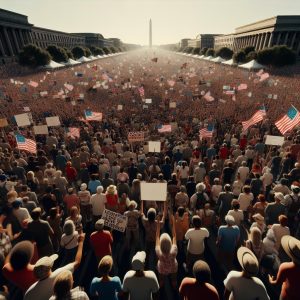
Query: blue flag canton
{"x": 159, "y": 126}
{"x": 262, "y": 108}
{"x": 20, "y": 138}
{"x": 88, "y": 113}
{"x": 210, "y": 127}
{"x": 292, "y": 113}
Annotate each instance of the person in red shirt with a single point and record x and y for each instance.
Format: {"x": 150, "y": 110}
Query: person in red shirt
{"x": 71, "y": 199}
{"x": 193, "y": 288}
{"x": 101, "y": 240}
{"x": 243, "y": 142}
{"x": 18, "y": 269}
{"x": 71, "y": 172}
{"x": 289, "y": 272}
{"x": 224, "y": 152}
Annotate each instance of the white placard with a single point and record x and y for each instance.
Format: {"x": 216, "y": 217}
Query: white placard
{"x": 274, "y": 140}
{"x": 172, "y": 105}
{"x": 53, "y": 121}
{"x": 22, "y": 120}
{"x": 40, "y": 129}
{"x": 153, "y": 191}
{"x": 145, "y": 106}
{"x": 120, "y": 107}
{"x": 154, "y": 146}
{"x": 148, "y": 101}
{"x": 114, "y": 220}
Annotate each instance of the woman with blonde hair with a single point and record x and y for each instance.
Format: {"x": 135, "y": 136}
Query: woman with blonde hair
{"x": 62, "y": 289}
{"x": 60, "y": 182}
{"x": 166, "y": 251}
{"x": 255, "y": 244}
{"x": 32, "y": 181}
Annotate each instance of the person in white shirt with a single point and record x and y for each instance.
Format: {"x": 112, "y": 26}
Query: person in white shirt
{"x": 216, "y": 189}
{"x": 244, "y": 171}
{"x": 195, "y": 237}
{"x": 236, "y": 212}
{"x": 98, "y": 201}
{"x": 280, "y": 230}
{"x": 245, "y": 200}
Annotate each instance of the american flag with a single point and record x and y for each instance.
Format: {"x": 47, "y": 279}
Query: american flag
{"x": 141, "y": 91}
{"x": 206, "y": 132}
{"x": 242, "y": 86}
{"x": 73, "y": 132}
{"x": 136, "y": 136}
{"x": 68, "y": 86}
{"x": 25, "y": 144}
{"x": 208, "y": 97}
{"x": 288, "y": 121}
{"x": 257, "y": 117}
{"x": 164, "y": 128}
{"x": 33, "y": 84}
{"x": 92, "y": 116}
{"x": 229, "y": 92}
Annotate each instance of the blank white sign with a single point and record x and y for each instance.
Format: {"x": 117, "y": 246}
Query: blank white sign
{"x": 22, "y": 120}
{"x": 154, "y": 146}
{"x": 153, "y": 191}
{"x": 274, "y": 140}
{"x": 148, "y": 101}
{"x": 52, "y": 121}
{"x": 40, "y": 129}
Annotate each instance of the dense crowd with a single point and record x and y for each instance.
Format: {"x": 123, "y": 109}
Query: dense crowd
{"x": 230, "y": 225}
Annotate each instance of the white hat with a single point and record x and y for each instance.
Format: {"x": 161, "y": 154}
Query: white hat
{"x": 138, "y": 261}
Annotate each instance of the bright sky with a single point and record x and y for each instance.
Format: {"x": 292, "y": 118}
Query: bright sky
{"x": 129, "y": 19}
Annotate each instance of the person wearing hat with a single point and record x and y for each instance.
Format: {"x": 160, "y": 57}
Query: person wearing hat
{"x": 192, "y": 288}
{"x": 275, "y": 209}
{"x": 244, "y": 285}
{"x": 138, "y": 283}
{"x": 101, "y": 240}
{"x": 18, "y": 269}
{"x": 289, "y": 272}
{"x": 43, "y": 288}
{"x": 227, "y": 241}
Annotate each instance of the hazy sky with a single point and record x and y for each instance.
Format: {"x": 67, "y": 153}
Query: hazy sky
{"x": 129, "y": 19}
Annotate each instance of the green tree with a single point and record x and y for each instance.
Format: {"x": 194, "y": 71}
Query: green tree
{"x": 69, "y": 53}
{"x": 78, "y": 52}
{"x": 283, "y": 56}
{"x": 113, "y": 49}
{"x": 196, "y": 51}
{"x": 210, "y": 52}
{"x": 203, "y": 51}
{"x": 33, "y": 56}
{"x": 106, "y": 50}
{"x": 248, "y": 49}
{"x": 189, "y": 50}
{"x": 58, "y": 54}
{"x": 87, "y": 52}
{"x": 251, "y": 55}
{"x": 239, "y": 57}
{"x": 266, "y": 56}
{"x": 225, "y": 53}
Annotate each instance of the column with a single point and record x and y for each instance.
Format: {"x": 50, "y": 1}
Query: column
{"x": 8, "y": 41}
{"x": 262, "y": 40}
{"x": 21, "y": 37}
{"x": 271, "y": 39}
{"x": 267, "y": 35}
{"x": 2, "y": 49}
{"x": 257, "y": 42}
{"x": 286, "y": 38}
{"x": 293, "y": 39}
{"x": 15, "y": 39}
{"x": 278, "y": 38}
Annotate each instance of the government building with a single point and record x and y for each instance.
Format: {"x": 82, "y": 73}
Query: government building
{"x": 16, "y": 31}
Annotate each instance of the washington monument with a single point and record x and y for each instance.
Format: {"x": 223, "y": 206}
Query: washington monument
{"x": 150, "y": 33}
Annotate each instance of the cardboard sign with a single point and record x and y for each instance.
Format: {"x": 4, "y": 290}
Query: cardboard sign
{"x": 174, "y": 126}
{"x": 40, "y": 129}
{"x": 153, "y": 191}
{"x": 154, "y": 146}
{"x": 3, "y": 122}
{"x": 148, "y": 101}
{"x": 172, "y": 105}
{"x": 136, "y": 136}
{"x": 120, "y": 107}
{"x": 114, "y": 220}
{"x": 22, "y": 120}
{"x": 53, "y": 121}
{"x": 274, "y": 140}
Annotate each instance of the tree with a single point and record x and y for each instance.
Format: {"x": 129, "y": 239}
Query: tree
{"x": 113, "y": 49}
{"x": 239, "y": 57}
{"x": 251, "y": 55}
{"x": 210, "y": 52}
{"x": 87, "y": 52}
{"x": 283, "y": 56}
{"x": 225, "y": 53}
{"x": 100, "y": 51}
{"x": 33, "y": 56}
{"x": 58, "y": 54}
{"x": 196, "y": 51}
{"x": 69, "y": 53}
{"x": 78, "y": 52}
{"x": 265, "y": 56}
{"x": 106, "y": 50}
{"x": 203, "y": 51}
{"x": 248, "y": 49}
{"x": 189, "y": 49}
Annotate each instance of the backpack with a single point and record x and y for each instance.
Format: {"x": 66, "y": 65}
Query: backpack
{"x": 200, "y": 201}
{"x": 3, "y": 195}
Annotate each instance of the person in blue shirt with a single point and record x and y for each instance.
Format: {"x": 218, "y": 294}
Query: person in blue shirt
{"x": 93, "y": 184}
{"x": 106, "y": 287}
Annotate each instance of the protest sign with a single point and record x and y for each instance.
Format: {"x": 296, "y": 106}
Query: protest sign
{"x": 148, "y": 101}
{"x": 41, "y": 129}
{"x": 3, "y": 122}
{"x": 274, "y": 140}
{"x": 172, "y": 105}
{"x": 136, "y": 136}
{"x": 53, "y": 121}
{"x": 174, "y": 126}
{"x": 22, "y": 120}
{"x": 154, "y": 146}
{"x": 153, "y": 191}
{"x": 114, "y": 220}
{"x": 120, "y": 107}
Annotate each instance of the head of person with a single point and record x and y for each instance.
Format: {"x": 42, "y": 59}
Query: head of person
{"x": 17, "y": 204}
{"x": 258, "y": 218}
{"x": 99, "y": 225}
{"x": 291, "y": 246}
{"x": 180, "y": 211}
{"x": 99, "y": 189}
{"x": 63, "y": 284}
{"x": 53, "y": 212}
{"x": 151, "y": 214}
{"x": 83, "y": 187}
{"x": 74, "y": 211}
{"x": 20, "y": 255}
{"x": 36, "y": 213}
{"x": 42, "y": 268}
{"x": 201, "y": 271}
{"x": 138, "y": 261}
{"x": 261, "y": 198}
{"x": 70, "y": 190}
{"x": 182, "y": 189}
{"x": 278, "y": 197}
{"x": 196, "y": 221}
{"x": 247, "y": 261}
{"x": 295, "y": 188}
{"x": 227, "y": 188}
{"x": 283, "y": 220}
{"x": 58, "y": 174}
{"x": 165, "y": 243}
{"x": 255, "y": 236}
{"x": 229, "y": 220}
{"x": 69, "y": 227}
{"x": 30, "y": 175}
{"x": 235, "y": 204}
{"x": 200, "y": 187}
{"x": 216, "y": 181}
{"x": 105, "y": 265}
{"x": 111, "y": 190}
{"x": 246, "y": 189}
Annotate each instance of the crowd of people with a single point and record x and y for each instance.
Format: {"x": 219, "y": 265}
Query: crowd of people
{"x": 229, "y": 227}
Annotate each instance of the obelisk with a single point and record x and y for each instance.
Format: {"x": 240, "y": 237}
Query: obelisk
{"x": 150, "y": 33}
